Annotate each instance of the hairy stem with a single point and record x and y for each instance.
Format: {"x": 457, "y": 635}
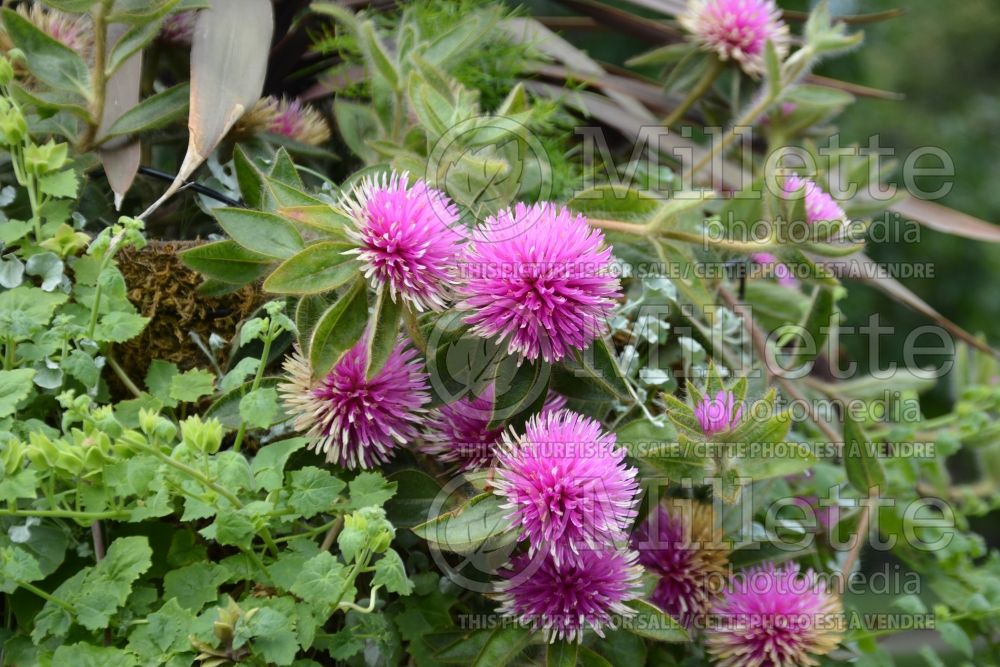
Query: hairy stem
{"x": 704, "y": 84}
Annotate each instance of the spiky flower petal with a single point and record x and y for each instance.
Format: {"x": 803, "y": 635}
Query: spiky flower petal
{"x": 563, "y": 599}
{"x": 683, "y": 548}
{"x": 289, "y": 118}
{"x": 780, "y": 271}
{"x": 539, "y": 278}
{"x": 459, "y": 433}
{"x": 357, "y": 421}
{"x": 820, "y": 206}
{"x": 73, "y": 30}
{"x": 567, "y": 485}
{"x": 718, "y": 414}
{"x": 737, "y": 30}
{"x": 407, "y": 238}
{"x": 178, "y": 28}
{"x": 774, "y": 617}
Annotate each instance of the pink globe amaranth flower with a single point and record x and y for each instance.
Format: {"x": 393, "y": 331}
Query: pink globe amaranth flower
{"x": 357, "y": 421}
{"x": 781, "y": 272}
{"x": 820, "y": 207}
{"x": 566, "y": 484}
{"x": 73, "y": 31}
{"x": 737, "y": 30}
{"x": 563, "y": 599}
{"x": 539, "y": 278}
{"x": 178, "y": 28}
{"x": 682, "y": 547}
{"x": 774, "y": 617}
{"x": 406, "y": 238}
{"x": 718, "y": 414}
{"x": 459, "y": 432}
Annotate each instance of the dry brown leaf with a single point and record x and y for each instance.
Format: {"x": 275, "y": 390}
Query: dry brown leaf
{"x": 229, "y": 55}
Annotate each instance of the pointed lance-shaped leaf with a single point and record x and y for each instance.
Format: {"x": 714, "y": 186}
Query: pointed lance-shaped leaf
{"x": 121, "y": 157}
{"x": 229, "y": 55}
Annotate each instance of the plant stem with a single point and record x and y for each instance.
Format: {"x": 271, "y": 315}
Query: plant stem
{"x": 648, "y": 229}
{"x": 331, "y": 535}
{"x": 861, "y": 536}
{"x": 48, "y": 597}
{"x": 704, "y": 84}
{"x": 265, "y": 355}
{"x": 122, "y": 375}
{"x": 99, "y": 74}
{"x": 413, "y": 328}
{"x": 265, "y": 534}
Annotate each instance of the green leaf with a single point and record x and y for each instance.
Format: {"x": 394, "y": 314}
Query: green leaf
{"x": 164, "y": 635}
{"x": 231, "y": 526}
{"x": 322, "y": 580}
{"x": 339, "y": 328}
{"x": 562, "y": 654}
{"x": 503, "y": 646}
{"x": 272, "y": 633}
{"x": 864, "y": 469}
{"x": 321, "y": 217}
{"x": 226, "y": 408}
{"x": 22, "y": 484}
{"x": 417, "y": 492}
{"x": 14, "y": 387}
{"x": 17, "y": 565}
{"x": 98, "y": 592}
{"x": 358, "y": 124}
{"x": 385, "y": 333}
{"x": 480, "y": 523}
{"x": 194, "y": 585}
{"x": 391, "y": 573}
{"x": 773, "y": 68}
{"x": 269, "y": 464}
{"x": 60, "y": 184}
{"x": 227, "y": 261}
{"x": 119, "y": 326}
{"x": 49, "y": 60}
{"x": 377, "y": 55}
{"x": 319, "y": 268}
{"x": 154, "y": 112}
{"x": 133, "y": 40}
{"x": 370, "y": 488}
{"x": 597, "y": 366}
{"x": 819, "y": 96}
{"x": 90, "y": 655}
{"x": 264, "y": 233}
{"x": 520, "y": 389}
{"x": 259, "y": 408}
{"x": 617, "y": 201}
{"x": 159, "y": 378}
{"x": 313, "y": 491}
{"x": 191, "y": 385}
{"x": 652, "y": 623}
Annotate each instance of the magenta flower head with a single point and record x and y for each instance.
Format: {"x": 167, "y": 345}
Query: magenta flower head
{"x": 539, "y": 277}
{"x": 567, "y": 485}
{"x": 564, "y": 599}
{"x": 681, "y": 547}
{"x": 178, "y": 28}
{"x": 406, "y": 238}
{"x": 357, "y": 421}
{"x": 774, "y": 616}
{"x": 75, "y": 31}
{"x": 780, "y": 271}
{"x": 459, "y": 433}
{"x": 737, "y": 30}
{"x": 718, "y": 414}
{"x": 820, "y": 207}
